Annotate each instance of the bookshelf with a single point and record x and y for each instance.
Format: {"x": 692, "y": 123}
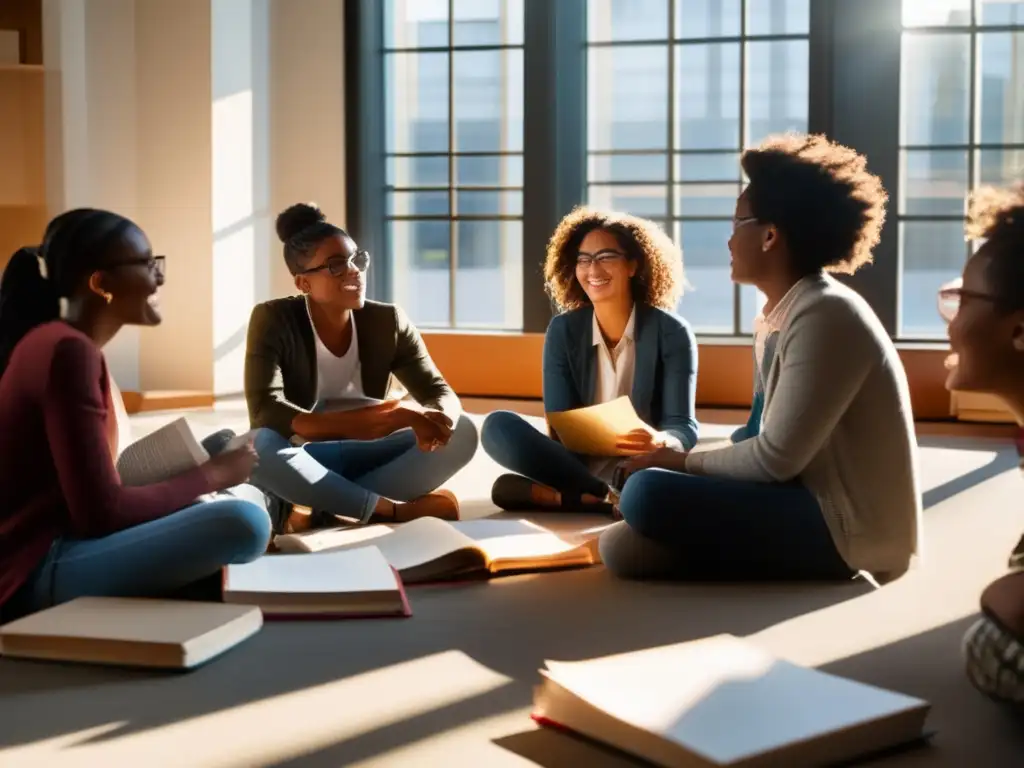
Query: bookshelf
{"x": 23, "y": 213}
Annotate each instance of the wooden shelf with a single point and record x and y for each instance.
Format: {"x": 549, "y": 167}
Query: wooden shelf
{"x": 28, "y": 69}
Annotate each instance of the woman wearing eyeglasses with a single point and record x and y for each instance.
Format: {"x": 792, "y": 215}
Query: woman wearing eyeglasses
{"x": 828, "y": 486}
{"x": 314, "y": 361}
{"x": 985, "y": 311}
{"x": 616, "y": 280}
{"x": 68, "y": 526}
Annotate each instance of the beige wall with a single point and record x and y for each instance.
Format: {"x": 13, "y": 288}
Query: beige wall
{"x": 200, "y": 119}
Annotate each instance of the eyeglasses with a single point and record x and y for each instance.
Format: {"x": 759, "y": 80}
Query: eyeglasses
{"x": 339, "y": 265}
{"x": 586, "y": 260}
{"x": 951, "y": 296}
{"x": 157, "y": 265}
{"x": 739, "y": 221}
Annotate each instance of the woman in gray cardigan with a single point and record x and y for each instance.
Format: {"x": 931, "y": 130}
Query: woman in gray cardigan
{"x": 615, "y": 279}
{"x": 828, "y": 487}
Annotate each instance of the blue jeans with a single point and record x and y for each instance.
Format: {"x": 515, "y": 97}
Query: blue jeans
{"x": 722, "y": 529}
{"x": 149, "y": 560}
{"x": 517, "y": 446}
{"x": 348, "y": 477}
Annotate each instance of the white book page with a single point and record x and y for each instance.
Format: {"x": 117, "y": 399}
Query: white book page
{"x": 723, "y": 697}
{"x": 515, "y": 539}
{"x": 351, "y": 571}
{"x": 161, "y": 455}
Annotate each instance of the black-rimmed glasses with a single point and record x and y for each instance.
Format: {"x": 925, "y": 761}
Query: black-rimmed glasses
{"x": 951, "y": 296}
{"x": 339, "y": 265}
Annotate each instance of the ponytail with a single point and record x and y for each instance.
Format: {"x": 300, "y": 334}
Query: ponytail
{"x": 27, "y": 298}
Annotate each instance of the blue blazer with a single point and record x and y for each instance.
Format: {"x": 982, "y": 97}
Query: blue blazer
{"x": 664, "y": 382}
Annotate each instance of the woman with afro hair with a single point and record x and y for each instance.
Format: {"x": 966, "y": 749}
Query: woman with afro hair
{"x": 615, "y": 280}
{"x": 827, "y": 487}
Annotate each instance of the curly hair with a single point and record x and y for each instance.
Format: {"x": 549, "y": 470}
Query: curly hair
{"x": 820, "y": 195}
{"x": 996, "y": 215}
{"x": 658, "y": 281}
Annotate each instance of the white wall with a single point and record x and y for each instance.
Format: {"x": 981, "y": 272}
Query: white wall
{"x": 200, "y": 119}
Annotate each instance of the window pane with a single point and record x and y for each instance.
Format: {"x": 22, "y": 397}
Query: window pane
{"x": 420, "y": 253}
{"x": 707, "y": 18}
{"x": 627, "y": 20}
{"x": 489, "y": 203}
{"x": 489, "y": 171}
{"x": 628, "y": 167}
{"x": 646, "y": 201}
{"x": 934, "y": 89}
{"x": 999, "y": 12}
{"x": 929, "y": 13}
{"x": 708, "y": 304}
{"x": 489, "y": 278}
{"x": 416, "y": 85}
{"x": 488, "y": 101}
{"x": 932, "y": 183}
{"x": 708, "y": 167}
{"x": 628, "y": 97}
{"x": 708, "y": 96}
{"x": 777, "y": 88}
{"x": 415, "y": 23}
{"x": 706, "y": 199}
{"x": 778, "y": 17}
{"x": 417, "y": 171}
{"x": 418, "y": 203}
{"x": 999, "y": 167}
{"x": 1001, "y": 87}
{"x": 487, "y": 22}
{"x": 932, "y": 253}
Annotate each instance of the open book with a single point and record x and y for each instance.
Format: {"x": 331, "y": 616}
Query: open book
{"x": 165, "y": 453}
{"x": 431, "y": 549}
{"x": 349, "y": 584}
{"x": 169, "y": 634}
{"x": 724, "y": 701}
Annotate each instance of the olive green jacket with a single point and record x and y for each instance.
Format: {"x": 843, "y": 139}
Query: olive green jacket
{"x": 281, "y": 371}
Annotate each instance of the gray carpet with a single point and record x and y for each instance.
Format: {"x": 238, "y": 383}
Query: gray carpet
{"x": 451, "y": 686}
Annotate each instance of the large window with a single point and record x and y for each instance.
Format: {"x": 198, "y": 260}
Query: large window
{"x": 961, "y": 126}
{"x": 676, "y": 89}
{"x": 453, "y": 82}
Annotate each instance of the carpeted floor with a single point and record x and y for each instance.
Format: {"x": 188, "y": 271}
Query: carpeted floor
{"x": 451, "y": 686}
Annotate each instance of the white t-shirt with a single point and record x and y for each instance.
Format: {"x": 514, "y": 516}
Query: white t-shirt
{"x": 337, "y": 378}
{"x": 615, "y": 371}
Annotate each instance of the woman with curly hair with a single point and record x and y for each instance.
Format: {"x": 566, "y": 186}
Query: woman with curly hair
{"x": 615, "y": 280}
{"x": 985, "y": 311}
{"x": 828, "y": 486}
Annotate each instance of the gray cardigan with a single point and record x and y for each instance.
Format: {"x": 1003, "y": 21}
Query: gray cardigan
{"x": 837, "y": 416}
{"x": 664, "y": 380}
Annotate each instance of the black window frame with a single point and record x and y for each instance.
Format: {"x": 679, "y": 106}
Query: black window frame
{"x": 854, "y": 98}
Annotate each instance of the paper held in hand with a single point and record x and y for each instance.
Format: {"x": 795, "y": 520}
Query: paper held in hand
{"x": 594, "y": 430}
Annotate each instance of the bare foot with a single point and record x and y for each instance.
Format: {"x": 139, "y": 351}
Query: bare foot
{"x": 299, "y": 520}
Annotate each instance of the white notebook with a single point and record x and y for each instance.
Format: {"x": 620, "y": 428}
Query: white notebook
{"x": 352, "y": 583}
{"x": 722, "y": 701}
{"x": 172, "y": 634}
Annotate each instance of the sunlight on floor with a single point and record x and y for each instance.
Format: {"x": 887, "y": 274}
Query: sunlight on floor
{"x": 279, "y": 728}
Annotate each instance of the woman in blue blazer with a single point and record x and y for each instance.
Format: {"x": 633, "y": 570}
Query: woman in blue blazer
{"x": 615, "y": 280}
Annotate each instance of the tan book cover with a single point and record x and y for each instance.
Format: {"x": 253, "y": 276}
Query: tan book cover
{"x": 170, "y": 634}
{"x": 723, "y": 701}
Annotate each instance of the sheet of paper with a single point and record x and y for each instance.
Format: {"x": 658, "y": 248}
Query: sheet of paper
{"x": 594, "y": 430}
{"x": 357, "y": 570}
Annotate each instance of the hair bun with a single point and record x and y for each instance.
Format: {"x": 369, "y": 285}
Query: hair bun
{"x": 296, "y": 218}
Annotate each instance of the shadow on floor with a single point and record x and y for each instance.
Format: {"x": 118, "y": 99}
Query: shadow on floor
{"x": 508, "y": 625}
{"x": 969, "y": 729}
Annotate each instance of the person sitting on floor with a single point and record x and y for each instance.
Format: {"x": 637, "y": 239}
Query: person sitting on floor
{"x": 615, "y": 279}
{"x": 68, "y": 527}
{"x": 313, "y": 361}
{"x": 829, "y": 485}
{"x": 985, "y": 311}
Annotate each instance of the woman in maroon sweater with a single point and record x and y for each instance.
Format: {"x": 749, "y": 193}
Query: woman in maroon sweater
{"x": 68, "y": 527}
